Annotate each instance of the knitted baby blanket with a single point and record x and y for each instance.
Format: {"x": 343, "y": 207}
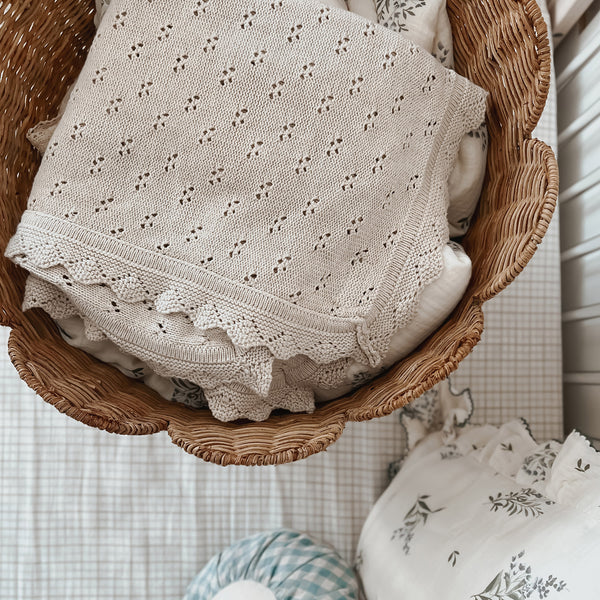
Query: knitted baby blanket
{"x": 233, "y": 185}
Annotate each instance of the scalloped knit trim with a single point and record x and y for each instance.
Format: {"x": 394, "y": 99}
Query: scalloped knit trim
{"x": 383, "y": 227}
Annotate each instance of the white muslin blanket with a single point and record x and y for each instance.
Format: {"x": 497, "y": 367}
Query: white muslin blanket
{"x": 231, "y": 187}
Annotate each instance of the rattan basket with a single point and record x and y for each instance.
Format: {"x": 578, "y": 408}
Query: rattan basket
{"x": 502, "y": 45}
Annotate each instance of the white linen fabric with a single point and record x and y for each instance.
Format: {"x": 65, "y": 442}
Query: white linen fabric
{"x": 287, "y": 256}
{"x": 364, "y": 8}
{"x": 483, "y": 512}
{"x": 466, "y": 181}
{"x": 426, "y": 23}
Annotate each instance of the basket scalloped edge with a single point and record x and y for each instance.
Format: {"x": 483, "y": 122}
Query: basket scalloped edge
{"x": 285, "y": 437}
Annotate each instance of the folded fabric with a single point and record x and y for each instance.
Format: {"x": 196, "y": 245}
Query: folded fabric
{"x": 437, "y": 301}
{"x": 483, "y": 512}
{"x": 466, "y": 181}
{"x": 253, "y": 240}
{"x": 39, "y": 135}
{"x": 364, "y": 8}
{"x": 426, "y": 23}
{"x": 101, "y": 6}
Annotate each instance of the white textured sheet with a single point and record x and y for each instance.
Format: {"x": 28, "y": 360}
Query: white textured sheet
{"x": 87, "y": 514}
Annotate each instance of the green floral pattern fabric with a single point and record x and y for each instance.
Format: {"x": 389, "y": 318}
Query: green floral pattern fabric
{"x": 483, "y": 513}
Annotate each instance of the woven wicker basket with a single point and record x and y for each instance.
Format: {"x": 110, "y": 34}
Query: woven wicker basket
{"x": 502, "y": 45}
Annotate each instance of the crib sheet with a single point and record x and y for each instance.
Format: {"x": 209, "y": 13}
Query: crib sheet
{"x": 87, "y": 514}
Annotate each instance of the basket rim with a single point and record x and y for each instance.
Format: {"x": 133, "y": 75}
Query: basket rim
{"x": 333, "y": 415}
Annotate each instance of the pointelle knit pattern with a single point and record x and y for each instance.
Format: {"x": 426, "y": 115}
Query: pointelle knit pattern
{"x": 233, "y": 185}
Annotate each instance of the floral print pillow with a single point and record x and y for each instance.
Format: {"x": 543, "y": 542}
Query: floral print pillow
{"x": 425, "y": 22}
{"x": 483, "y": 513}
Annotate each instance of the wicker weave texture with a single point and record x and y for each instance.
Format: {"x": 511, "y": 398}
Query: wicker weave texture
{"x": 502, "y": 45}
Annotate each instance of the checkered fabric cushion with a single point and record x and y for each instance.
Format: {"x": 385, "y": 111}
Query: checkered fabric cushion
{"x": 290, "y": 564}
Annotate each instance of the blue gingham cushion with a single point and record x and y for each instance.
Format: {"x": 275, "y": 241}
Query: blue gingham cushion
{"x": 290, "y": 564}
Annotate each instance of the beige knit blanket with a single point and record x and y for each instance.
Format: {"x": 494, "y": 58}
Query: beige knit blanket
{"x": 233, "y": 185}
